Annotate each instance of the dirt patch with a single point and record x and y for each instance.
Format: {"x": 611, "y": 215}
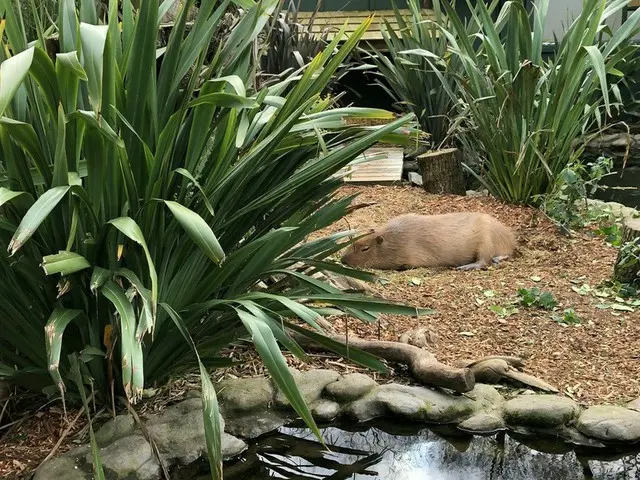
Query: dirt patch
{"x": 27, "y": 439}
{"x": 596, "y": 361}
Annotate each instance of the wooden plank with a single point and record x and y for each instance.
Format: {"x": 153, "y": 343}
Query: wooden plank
{"x": 385, "y": 170}
{"x": 331, "y": 22}
{"x": 634, "y": 4}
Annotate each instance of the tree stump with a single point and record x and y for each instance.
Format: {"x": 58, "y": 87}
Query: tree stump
{"x": 627, "y": 268}
{"x": 442, "y": 171}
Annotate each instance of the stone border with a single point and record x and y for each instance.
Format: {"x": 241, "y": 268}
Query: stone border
{"x": 615, "y": 209}
{"x": 252, "y": 407}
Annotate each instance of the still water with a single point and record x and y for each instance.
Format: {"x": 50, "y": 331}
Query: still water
{"x": 396, "y": 452}
{"x": 624, "y": 187}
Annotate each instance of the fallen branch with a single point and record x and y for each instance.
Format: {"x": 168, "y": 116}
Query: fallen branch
{"x": 424, "y": 366}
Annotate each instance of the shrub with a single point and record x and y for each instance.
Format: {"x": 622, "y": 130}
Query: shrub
{"x": 142, "y": 204}
{"x": 291, "y": 44}
{"x": 526, "y": 115}
{"x": 533, "y": 297}
{"x": 409, "y": 77}
{"x": 566, "y": 202}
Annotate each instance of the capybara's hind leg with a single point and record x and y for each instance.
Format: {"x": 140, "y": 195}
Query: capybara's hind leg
{"x": 498, "y": 259}
{"x": 484, "y": 255}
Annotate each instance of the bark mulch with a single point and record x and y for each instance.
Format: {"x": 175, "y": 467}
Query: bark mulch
{"x": 596, "y": 361}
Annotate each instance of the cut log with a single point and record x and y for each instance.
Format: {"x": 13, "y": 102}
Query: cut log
{"x": 442, "y": 171}
{"x": 5, "y": 391}
{"x": 424, "y": 366}
{"x": 627, "y": 268}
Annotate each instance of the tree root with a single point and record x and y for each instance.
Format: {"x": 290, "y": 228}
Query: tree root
{"x": 495, "y": 369}
{"x": 424, "y": 366}
{"x": 427, "y": 370}
{"x": 420, "y": 337}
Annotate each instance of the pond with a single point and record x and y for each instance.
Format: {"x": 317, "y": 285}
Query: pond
{"x": 623, "y": 187}
{"x": 398, "y": 452}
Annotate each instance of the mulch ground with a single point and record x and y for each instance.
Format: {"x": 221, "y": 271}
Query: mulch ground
{"x": 597, "y": 361}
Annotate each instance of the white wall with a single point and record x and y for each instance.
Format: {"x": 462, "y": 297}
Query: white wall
{"x": 563, "y": 12}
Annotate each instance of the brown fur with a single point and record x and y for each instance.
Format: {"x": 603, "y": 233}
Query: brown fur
{"x": 467, "y": 239}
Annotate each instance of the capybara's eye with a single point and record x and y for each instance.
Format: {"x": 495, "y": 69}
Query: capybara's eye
{"x": 365, "y": 248}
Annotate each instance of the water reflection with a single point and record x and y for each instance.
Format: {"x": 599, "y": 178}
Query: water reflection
{"x": 396, "y": 452}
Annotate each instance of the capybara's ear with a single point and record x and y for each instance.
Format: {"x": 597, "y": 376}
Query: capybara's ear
{"x": 379, "y": 239}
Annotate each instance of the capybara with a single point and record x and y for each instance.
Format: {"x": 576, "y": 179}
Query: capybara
{"x": 467, "y": 240}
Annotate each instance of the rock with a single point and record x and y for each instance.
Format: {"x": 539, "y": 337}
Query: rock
{"x": 179, "y": 441}
{"x": 617, "y": 210}
{"x": 192, "y": 394}
{"x": 614, "y": 140}
{"x": 483, "y": 424}
{"x": 474, "y": 193}
{"x": 325, "y": 410}
{"x": 179, "y": 434}
{"x": 245, "y": 394}
{"x": 114, "y": 429}
{"x": 487, "y": 397}
{"x": 416, "y": 404}
{"x": 410, "y": 166}
{"x": 610, "y": 423}
{"x": 255, "y": 424}
{"x": 129, "y": 457}
{"x": 540, "y": 411}
{"x": 350, "y": 387}
{"x": 415, "y": 178}
{"x": 174, "y": 412}
{"x": 311, "y": 385}
{"x": 634, "y": 405}
{"x": 367, "y": 408}
{"x": 231, "y": 446}
{"x": 61, "y": 468}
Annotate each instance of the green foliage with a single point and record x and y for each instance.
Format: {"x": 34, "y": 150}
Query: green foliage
{"x": 504, "y": 311}
{"x": 409, "y": 73}
{"x": 524, "y": 114}
{"x": 629, "y": 259}
{"x": 575, "y": 183}
{"x": 44, "y": 13}
{"x": 533, "y": 297}
{"x": 621, "y": 290}
{"x": 568, "y": 317}
{"x": 612, "y": 295}
{"x": 167, "y": 202}
{"x": 611, "y": 233}
{"x": 291, "y": 44}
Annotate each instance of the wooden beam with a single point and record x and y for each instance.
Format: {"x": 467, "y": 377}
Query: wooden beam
{"x": 331, "y": 22}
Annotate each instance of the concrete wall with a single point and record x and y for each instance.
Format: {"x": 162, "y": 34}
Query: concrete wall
{"x": 563, "y": 12}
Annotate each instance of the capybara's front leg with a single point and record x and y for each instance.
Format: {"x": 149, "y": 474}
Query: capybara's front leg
{"x": 472, "y": 266}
